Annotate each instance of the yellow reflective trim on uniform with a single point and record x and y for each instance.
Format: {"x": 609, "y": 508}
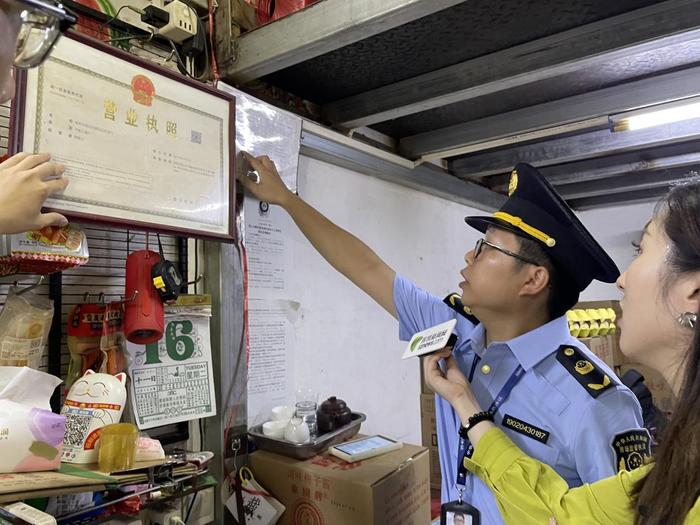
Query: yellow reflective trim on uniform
{"x": 520, "y": 224}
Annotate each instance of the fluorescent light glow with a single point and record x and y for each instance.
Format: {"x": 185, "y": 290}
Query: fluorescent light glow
{"x": 656, "y": 115}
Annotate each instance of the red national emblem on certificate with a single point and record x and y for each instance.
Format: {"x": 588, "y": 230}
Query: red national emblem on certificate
{"x": 143, "y": 90}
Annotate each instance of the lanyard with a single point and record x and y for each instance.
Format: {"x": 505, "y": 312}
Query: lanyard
{"x": 465, "y": 447}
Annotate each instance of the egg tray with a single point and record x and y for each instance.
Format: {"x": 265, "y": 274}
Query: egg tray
{"x": 306, "y": 450}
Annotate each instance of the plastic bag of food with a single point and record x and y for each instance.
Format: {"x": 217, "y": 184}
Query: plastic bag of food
{"x": 25, "y": 322}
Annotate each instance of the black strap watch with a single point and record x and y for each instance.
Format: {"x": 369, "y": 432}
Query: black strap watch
{"x": 473, "y": 421}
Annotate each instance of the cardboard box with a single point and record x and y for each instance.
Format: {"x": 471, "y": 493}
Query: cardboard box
{"x": 614, "y": 304}
{"x": 390, "y": 489}
{"x": 424, "y": 388}
{"x": 428, "y": 425}
{"x": 660, "y": 390}
{"x": 606, "y": 348}
{"x": 435, "y": 473}
{"x": 429, "y": 437}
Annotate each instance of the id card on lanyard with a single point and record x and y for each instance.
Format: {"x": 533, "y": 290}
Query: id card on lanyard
{"x": 453, "y": 509}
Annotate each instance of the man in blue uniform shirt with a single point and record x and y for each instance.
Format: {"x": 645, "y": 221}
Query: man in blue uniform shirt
{"x": 554, "y": 398}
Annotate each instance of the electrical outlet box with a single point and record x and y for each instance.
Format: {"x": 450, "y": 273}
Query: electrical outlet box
{"x": 182, "y": 24}
{"x": 131, "y": 17}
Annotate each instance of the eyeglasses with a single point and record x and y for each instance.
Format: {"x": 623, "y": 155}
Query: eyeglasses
{"x": 481, "y": 242}
{"x": 42, "y": 24}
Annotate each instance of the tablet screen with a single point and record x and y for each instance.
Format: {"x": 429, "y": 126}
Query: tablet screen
{"x": 363, "y": 445}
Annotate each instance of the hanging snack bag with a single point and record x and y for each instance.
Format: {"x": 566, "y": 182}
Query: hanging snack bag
{"x": 51, "y": 249}
{"x": 25, "y": 322}
{"x": 84, "y": 334}
{"x": 113, "y": 342}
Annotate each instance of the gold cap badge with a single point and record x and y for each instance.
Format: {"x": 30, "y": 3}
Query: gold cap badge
{"x": 513, "y": 184}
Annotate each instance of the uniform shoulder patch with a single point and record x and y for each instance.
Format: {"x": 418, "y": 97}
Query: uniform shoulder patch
{"x": 589, "y": 376}
{"x": 632, "y": 449}
{"x": 453, "y": 301}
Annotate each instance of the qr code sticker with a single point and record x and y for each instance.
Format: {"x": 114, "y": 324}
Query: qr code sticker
{"x": 76, "y": 429}
{"x": 196, "y": 137}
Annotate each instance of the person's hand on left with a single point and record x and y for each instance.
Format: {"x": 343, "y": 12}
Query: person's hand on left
{"x": 26, "y": 181}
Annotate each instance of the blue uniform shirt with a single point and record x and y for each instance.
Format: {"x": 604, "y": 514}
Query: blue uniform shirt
{"x": 547, "y": 399}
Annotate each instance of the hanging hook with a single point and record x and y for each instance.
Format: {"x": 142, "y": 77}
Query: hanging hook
{"x": 86, "y": 297}
{"x": 236, "y": 447}
{"x": 128, "y": 299}
{"x": 101, "y": 298}
{"x": 31, "y": 286}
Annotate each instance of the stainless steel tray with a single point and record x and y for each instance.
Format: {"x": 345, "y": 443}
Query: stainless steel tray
{"x": 306, "y": 450}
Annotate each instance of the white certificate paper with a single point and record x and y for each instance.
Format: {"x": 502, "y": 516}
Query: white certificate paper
{"x": 140, "y": 147}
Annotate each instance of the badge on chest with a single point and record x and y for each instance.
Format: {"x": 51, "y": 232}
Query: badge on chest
{"x": 526, "y": 429}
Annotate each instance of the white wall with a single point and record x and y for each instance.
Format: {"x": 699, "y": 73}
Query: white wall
{"x": 422, "y": 237}
{"x": 615, "y": 229}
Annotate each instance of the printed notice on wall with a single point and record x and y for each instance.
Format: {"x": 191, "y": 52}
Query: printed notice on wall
{"x": 265, "y": 239}
{"x": 271, "y": 374}
{"x": 263, "y": 129}
{"x": 172, "y": 380}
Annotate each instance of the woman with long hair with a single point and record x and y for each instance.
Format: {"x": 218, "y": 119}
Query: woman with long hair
{"x": 659, "y": 328}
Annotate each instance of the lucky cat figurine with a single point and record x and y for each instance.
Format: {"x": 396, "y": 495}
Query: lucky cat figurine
{"x": 94, "y": 400}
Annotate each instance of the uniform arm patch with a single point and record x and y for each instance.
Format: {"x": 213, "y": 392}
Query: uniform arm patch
{"x": 526, "y": 429}
{"x": 632, "y": 449}
{"x": 453, "y": 301}
{"x": 589, "y": 376}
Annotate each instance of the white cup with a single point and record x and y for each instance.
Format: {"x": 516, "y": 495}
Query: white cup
{"x": 297, "y": 431}
{"x": 282, "y": 413}
{"x": 274, "y": 429}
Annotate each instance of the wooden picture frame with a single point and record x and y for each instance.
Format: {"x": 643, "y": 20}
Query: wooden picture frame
{"x": 143, "y": 147}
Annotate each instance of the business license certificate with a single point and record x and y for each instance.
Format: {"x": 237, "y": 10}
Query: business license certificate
{"x": 140, "y": 147}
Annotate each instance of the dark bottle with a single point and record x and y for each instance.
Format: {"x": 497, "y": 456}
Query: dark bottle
{"x": 332, "y": 414}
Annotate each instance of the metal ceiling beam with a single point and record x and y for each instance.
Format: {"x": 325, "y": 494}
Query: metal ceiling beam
{"x": 668, "y": 23}
{"x": 626, "y": 182}
{"x": 326, "y": 145}
{"x": 321, "y": 28}
{"x": 515, "y": 125}
{"x": 617, "y": 199}
{"x": 639, "y": 162}
{"x": 578, "y": 147}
